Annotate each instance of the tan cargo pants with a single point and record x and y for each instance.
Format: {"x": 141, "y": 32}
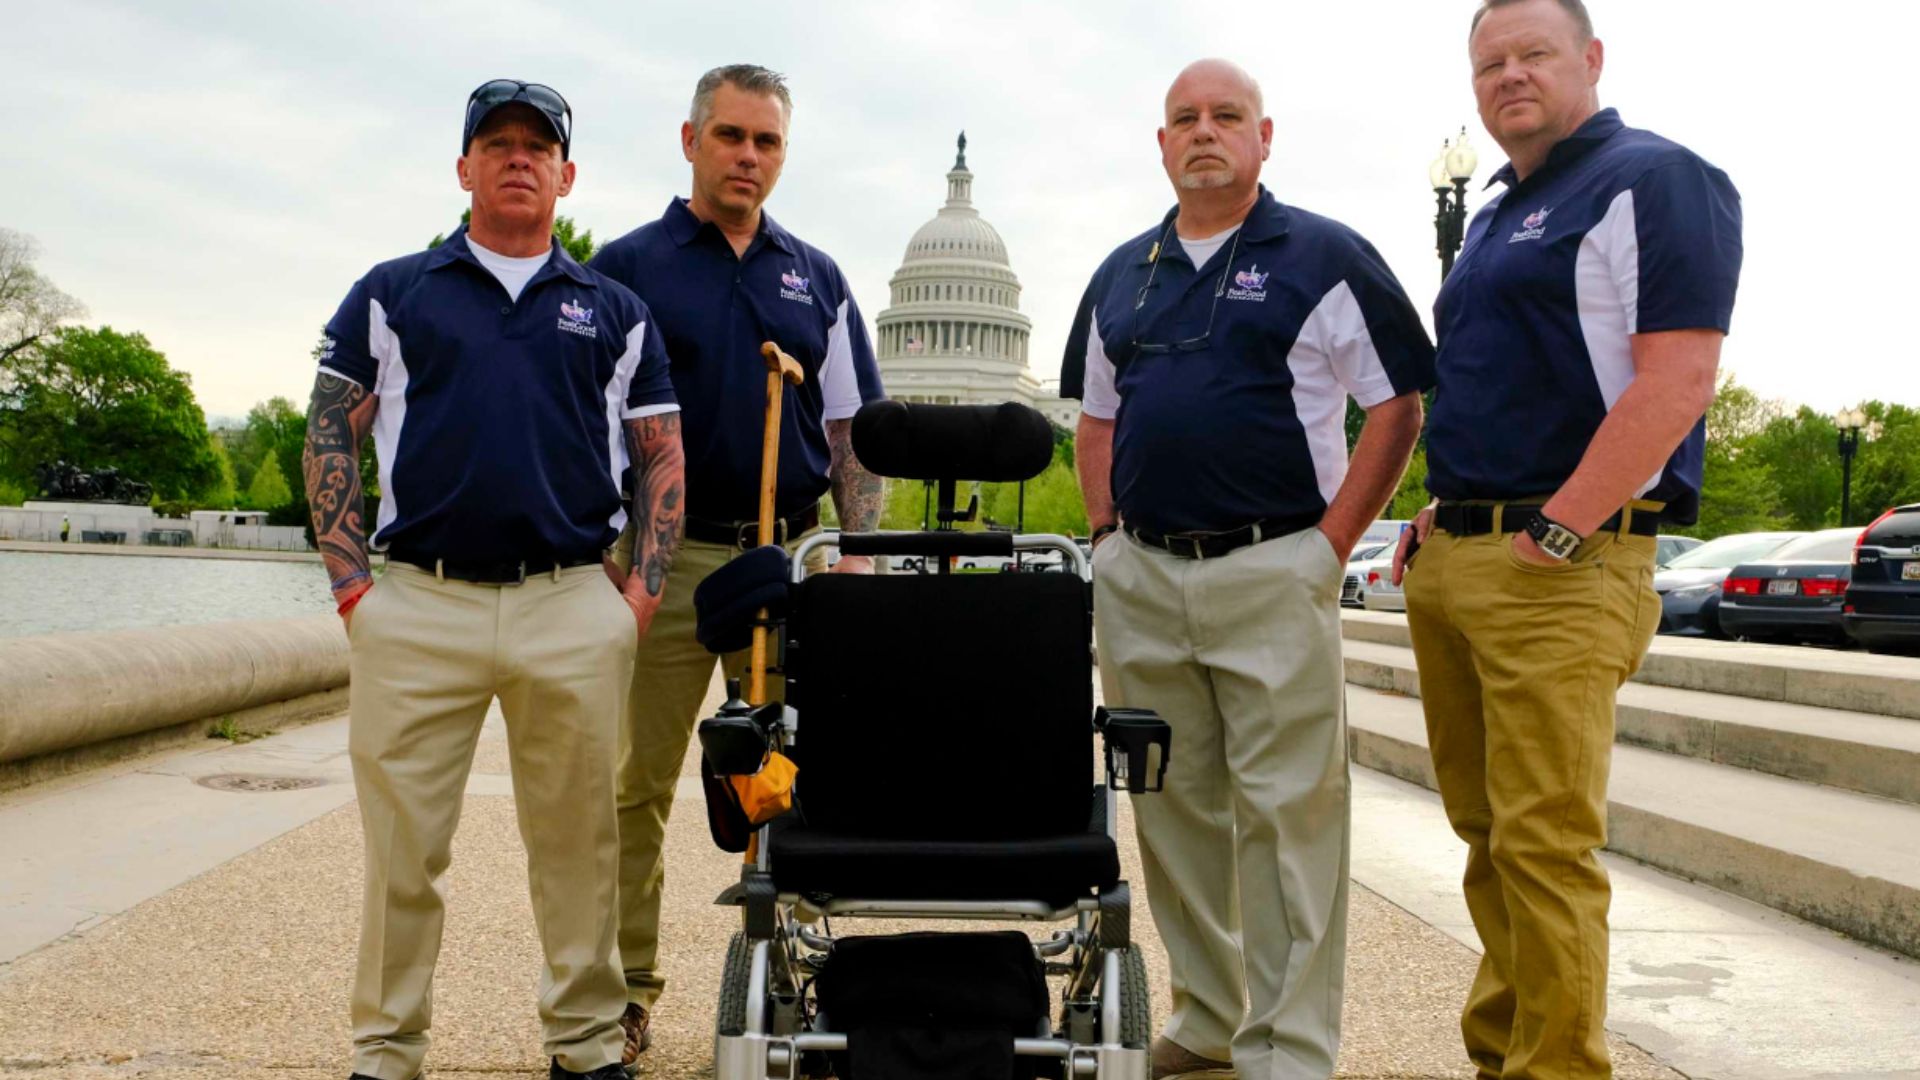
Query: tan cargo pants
{"x": 428, "y": 659}
{"x": 1519, "y": 666}
{"x": 1245, "y": 851}
{"x": 671, "y": 675}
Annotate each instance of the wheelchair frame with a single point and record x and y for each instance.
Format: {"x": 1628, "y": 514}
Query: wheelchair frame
{"x": 777, "y": 1031}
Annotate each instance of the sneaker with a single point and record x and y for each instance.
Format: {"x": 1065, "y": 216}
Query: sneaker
{"x": 635, "y": 1024}
{"x": 1171, "y": 1061}
{"x": 614, "y": 1071}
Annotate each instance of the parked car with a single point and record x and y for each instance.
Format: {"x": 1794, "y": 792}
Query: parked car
{"x": 1689, "y": 587}
{"x": 1796, "y": 592}
{"x": 1882, "y": 608}
{"x": 1377, "y": 591}
{"x": 1353, "y": 586}
{"x": 1672, "y": 547}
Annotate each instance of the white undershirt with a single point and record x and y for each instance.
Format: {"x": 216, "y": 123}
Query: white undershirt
{"x": 513, "y": 273}
{"x": 1201, "y": 250}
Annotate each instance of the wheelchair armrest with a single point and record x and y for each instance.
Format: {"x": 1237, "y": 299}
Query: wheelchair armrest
{"x": 735, "y": 740}
{"x": 1131, "y": 736}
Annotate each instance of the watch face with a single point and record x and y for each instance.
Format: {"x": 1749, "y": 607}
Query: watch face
{"x": 1560, "y": 542}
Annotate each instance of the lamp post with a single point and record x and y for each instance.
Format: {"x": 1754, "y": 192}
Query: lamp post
{"x": 1851, "y": 423}
{"x": 1449, "y": 174}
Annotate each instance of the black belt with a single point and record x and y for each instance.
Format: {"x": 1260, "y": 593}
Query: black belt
{"x": 489, "y": 573}
{"x": 746, "y": 534}
{"x": 1462, "y": 519}
{"x": 1212, "y": 545}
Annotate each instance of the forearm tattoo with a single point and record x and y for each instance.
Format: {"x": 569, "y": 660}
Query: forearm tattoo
{"x": 337, "y": 421}
{"x": 659, "y": 491}
{"x": 858, "y": 495}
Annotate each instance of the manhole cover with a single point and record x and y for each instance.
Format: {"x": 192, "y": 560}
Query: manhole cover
{"x": 256, "y": 782}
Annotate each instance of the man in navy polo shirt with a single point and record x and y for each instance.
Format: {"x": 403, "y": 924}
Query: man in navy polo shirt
{"x": 1579, "y": 334}
{"x": 507, "y": 388}
{"x": 1213, "y": 357}
{"x": 722, "y": 277}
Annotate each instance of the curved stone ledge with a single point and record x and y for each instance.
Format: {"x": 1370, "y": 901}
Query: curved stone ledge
{"x": 62, "y": 691}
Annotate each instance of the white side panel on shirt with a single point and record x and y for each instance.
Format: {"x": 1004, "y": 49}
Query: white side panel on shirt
{"x": 390, "y": 386}
{"x": 839, "y": 385}
{"x": 1098, "y": 398}
{"x": 1606, "y": 283}
{"x": 616, "y": 398}
{"x": 1334, "y": 357}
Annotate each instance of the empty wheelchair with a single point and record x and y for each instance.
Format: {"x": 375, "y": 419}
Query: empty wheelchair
{"x": 943, "y": 727}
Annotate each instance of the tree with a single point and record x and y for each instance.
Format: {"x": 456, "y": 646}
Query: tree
{"x": 578, "y": 243}
{"x": 278, "y": 430}
{"x": 30, "y": 306}
{"x": 99, "y": 398}
{"x": 221, "y": 493}
{"x": 269, "y": 490}
{"x": 1887, "y": 472}
{"x": 1799, "y": 452}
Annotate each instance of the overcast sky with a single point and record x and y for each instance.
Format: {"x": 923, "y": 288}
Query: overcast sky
{"x": 216, "y": 175}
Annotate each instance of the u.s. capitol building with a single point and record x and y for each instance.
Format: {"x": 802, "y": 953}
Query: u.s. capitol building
{"x": 953, "y": 332}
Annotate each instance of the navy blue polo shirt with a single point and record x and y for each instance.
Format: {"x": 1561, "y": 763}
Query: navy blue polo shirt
{"x": 715, "y": 309}
{"x": 1248, "y": 421}
{"x": 499, "y": 423}
{"x": 1620, "y": 232}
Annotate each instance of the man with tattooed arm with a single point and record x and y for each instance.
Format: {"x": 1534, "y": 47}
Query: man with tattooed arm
{"x": 507, "y": 388}
{"x": 722, "y": 277}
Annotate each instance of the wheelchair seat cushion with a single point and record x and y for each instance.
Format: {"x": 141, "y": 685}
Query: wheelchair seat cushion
{"x": 726, "y": 603}
{"x": 1056, "y": 870}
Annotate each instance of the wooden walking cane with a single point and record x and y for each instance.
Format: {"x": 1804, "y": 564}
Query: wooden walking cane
{"x": 781, "y": 369}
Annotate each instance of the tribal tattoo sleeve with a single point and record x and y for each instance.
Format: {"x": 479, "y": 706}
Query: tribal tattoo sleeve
{"x": 858, "y": 495}
{"x": 659, "y": 492}
{"x": 337, "y": 422}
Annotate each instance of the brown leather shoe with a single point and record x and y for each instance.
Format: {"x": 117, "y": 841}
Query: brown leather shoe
{"x": 634, "y": 1023}
{"x": 1171, "y": 1061}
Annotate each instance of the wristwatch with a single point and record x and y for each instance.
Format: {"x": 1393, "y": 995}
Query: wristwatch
{"x": 1558, "y": 541}
{"x": 1109, "y": 527}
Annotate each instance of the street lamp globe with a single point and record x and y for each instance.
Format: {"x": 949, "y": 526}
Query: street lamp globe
{"x": 1462, "y": 160}
{"x": 1437, "y": 174}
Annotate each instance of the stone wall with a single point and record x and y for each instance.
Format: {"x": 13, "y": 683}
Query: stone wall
{"x": 135, "y": 522}
{"x": 63, "y": 692}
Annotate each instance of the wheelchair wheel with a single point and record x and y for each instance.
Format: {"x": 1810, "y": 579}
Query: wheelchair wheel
{"x": 1136, "y": 1000}
{"x": 735, "y": 974}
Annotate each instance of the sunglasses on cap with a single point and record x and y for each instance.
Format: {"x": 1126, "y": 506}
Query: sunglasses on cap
{"x": 491, "y": 95}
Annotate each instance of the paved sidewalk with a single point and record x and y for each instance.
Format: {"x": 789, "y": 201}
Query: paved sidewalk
{"x": 242, "y": 971}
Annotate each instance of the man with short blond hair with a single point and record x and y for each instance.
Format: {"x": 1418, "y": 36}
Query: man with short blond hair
{"x": 721, "y": 277}
{"x": 1214, "y": 355}
{"x": 1579, "y": 337}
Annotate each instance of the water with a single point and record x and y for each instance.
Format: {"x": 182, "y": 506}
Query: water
{"x": 47, "y": 593}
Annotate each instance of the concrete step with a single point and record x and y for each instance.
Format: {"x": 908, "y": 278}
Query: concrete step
{"x": 1875, "y": 755}
{"x": 1796, "y": 675}
{"x": 1846, "y": 861}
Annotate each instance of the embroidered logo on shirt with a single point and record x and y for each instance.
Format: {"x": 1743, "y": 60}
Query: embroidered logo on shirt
{"x": 1249, "y": 284}
{"x": 575, "y": 319}
{"x": 794, "y": 287}
{"x": 325, "y": 350}
{"x": 1533, "y": 228}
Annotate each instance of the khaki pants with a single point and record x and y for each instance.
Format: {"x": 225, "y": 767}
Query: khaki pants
{"x": 1519, "y": 666}
{"x": 1245, "y": 851}
{"x": 428, "y": 659}
{"x": 671, "y": 674}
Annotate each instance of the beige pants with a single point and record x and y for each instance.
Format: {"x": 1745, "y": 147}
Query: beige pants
{"x": 428, "y": 659}
{"x": 671, "y": 675}
{"x": 1245, "y": 851}
{"x": 1519, "y": 666}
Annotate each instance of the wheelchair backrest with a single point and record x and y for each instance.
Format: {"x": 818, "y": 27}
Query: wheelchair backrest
{"x": 943, "y": 707}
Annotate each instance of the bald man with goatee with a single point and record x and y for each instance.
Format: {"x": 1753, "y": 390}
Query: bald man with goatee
{"x": 1213, "y": 356}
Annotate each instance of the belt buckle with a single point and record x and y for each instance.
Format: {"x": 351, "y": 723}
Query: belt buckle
{"x": 1199, "y": 553}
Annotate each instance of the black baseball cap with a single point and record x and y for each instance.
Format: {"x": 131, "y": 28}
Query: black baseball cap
{"x": 545, "y": 100}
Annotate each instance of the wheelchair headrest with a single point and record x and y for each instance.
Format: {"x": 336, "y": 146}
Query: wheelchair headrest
{"x": 995, "y": 443}
{"x": 727, "y": 600}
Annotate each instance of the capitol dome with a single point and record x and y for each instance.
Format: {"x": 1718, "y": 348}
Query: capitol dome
{"x": 953, "y": 332}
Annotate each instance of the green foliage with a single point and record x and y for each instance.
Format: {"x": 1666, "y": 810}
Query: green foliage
{"x": 1798, "y": 452}
{"x": 1053, "y": 502}
{"x": 1887, "y": 472}
{"x": 578, "y": 242}
{"x": 1411, "y": 495}
{"x": 279, "y": 432}
{"x": 99, "y": 399}
{"x": 269, "y": 490}
{"x": 222, "y": 493}
{"x": 12, "y": 494}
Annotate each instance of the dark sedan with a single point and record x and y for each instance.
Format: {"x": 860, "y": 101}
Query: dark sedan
{"x": 1798, "y": 591}
{"x": 1689, "y": 586}
{"x": 1883, "y": 601}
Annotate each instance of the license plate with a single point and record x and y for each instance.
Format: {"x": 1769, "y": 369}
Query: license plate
{"x": 1911, "y": 571}
{"x": 1783, "y": 587}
